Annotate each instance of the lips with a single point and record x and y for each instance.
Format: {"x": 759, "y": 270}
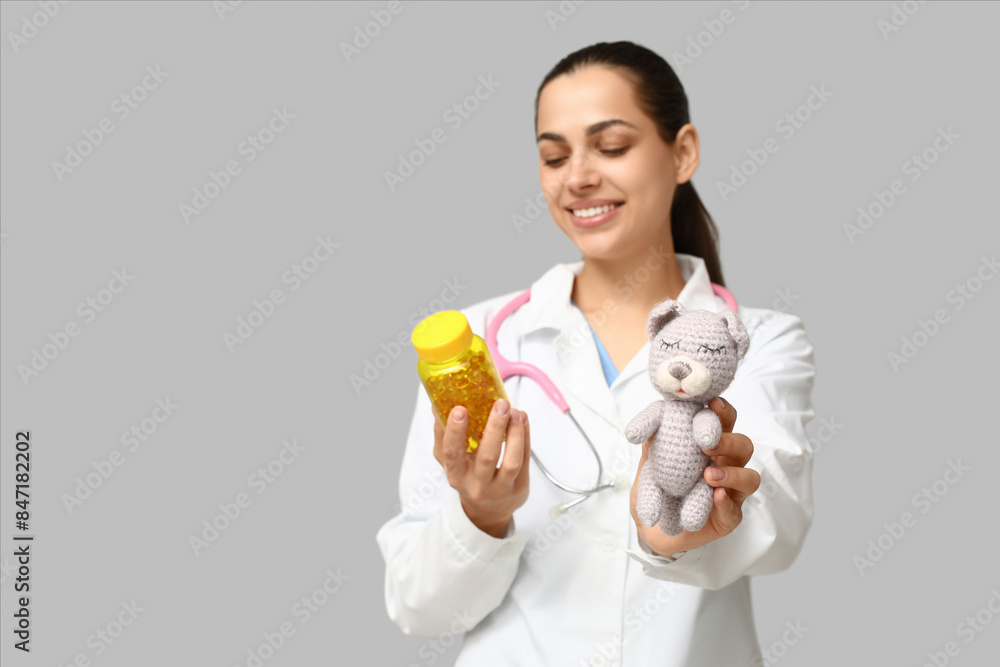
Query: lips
{"x": 592, "y": 203}
{"x": 596, "y": 220}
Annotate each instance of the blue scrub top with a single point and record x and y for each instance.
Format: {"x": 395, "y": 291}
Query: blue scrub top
{"x": 610, "y": 371}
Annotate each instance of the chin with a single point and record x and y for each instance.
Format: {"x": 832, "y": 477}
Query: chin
{"x": 598, "y": 245}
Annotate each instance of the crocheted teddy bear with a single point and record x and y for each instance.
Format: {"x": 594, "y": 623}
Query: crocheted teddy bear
{"x": 693, "y": 356}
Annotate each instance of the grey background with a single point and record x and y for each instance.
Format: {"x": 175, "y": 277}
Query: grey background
{"x": 323, "y": 175}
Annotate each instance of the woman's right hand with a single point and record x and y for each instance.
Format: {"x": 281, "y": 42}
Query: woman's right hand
{"x": 489, "y": 494}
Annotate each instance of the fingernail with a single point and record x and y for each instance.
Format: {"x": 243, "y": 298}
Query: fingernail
{"x": 458, "y": 414}
{"x": 515, "y": 417}
{"x": 502, "y": 406}
{"x": 719, "y": 402}
{"x": 716, "y": 474}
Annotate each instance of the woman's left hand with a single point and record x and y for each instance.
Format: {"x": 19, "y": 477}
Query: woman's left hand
{"x": 730, "y": 457}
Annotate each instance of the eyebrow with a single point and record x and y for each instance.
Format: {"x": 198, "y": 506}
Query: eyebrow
{"x": 591, "y": 131}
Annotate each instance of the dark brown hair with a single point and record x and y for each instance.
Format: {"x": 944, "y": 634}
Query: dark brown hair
{"x": 661, "y": 96}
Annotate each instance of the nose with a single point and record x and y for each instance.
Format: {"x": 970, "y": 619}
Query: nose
{"x": 580, "y": 174}
{"x": 679, "y": 370}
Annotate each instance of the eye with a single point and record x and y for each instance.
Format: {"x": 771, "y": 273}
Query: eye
{"x": 716, "y": 350}
{"x": 670, "y": 346}
{"x": 616, "y": 151}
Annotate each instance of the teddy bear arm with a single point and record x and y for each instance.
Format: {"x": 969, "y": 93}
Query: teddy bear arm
{"x": 706, "y": 428}
{"x": 645, "y": 424}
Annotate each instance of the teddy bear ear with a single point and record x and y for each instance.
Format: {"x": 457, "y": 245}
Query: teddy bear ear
{"x": 737, "y": 331}
{"x": 662, "y": 313}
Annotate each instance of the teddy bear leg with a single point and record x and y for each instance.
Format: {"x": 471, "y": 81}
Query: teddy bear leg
{"x": 649, "y": 497}
{"x": 696, "y": 506}
{"x": 670, "y": 516}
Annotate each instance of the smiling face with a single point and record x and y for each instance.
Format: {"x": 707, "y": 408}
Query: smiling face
{"x": 597, "y": 149}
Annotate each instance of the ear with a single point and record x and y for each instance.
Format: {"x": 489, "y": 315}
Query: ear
{"x": 737, "y": 331}
{"x": 662, "y": 313}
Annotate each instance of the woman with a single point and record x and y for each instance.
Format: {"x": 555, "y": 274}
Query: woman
{"x": 475, "y": 549}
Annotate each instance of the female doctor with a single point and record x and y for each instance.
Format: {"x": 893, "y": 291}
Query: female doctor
{"x": 489, "y": 552}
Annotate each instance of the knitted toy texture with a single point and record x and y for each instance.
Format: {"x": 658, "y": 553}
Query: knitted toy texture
{"x": 693, "y": 356}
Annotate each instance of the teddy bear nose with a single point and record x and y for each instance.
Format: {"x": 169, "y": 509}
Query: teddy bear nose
{"x": 679, "y": 370}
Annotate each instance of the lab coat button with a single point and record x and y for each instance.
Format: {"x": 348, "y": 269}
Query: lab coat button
{"x": 608, "y": 542}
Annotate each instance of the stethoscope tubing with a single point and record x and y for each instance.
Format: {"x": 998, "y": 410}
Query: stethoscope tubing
{"x": 507, "y": 369}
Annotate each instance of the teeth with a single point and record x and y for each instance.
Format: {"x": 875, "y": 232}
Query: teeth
{"x": 591, "y": 212}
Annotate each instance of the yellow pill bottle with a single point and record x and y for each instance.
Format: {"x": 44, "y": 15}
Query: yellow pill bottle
{"x": 455, "y": 368}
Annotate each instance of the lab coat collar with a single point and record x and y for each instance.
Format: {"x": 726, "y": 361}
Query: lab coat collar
{"x": 550, "y": 305}
{"x": 579, "y": 361}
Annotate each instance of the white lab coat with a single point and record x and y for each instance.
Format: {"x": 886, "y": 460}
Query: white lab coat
{"x": 581, "y": 590}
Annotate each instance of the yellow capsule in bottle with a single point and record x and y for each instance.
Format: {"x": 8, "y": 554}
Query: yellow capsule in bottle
{"x": 455, "y": 368}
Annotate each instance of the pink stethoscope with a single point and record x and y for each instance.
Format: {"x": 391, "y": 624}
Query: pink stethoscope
{"x": 508, "y": 369}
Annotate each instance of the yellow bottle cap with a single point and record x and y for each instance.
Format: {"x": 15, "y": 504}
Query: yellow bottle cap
{"x": 442, "y": 336}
